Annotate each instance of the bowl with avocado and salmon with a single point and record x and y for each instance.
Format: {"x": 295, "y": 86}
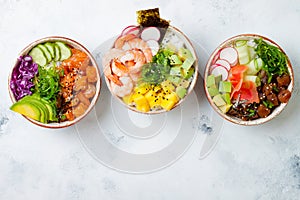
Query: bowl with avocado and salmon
{"x": 54, "y": 83}
{"x": 249, "y": 79}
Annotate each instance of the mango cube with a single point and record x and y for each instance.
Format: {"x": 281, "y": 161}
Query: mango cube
{"x": 141, "y": 102}
{"x": 142, "y": 89}
{"x": 169, "y": 100}
{"x": 153, "y": 98}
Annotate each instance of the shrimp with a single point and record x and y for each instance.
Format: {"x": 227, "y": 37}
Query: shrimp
{"x": 91, "y": 74}
{"x": 110, "y": 55}
{"x": 134, "y": 60}
{"x": 119, "y": 68}
{"x": 90, "y": 91}
{"x": 125, "y": 89}
{"x": 81, "y": 83}
{"x": 139, "y": 44}
{"x": 106, "y": 63}
{"x": 121, "y": 41}
{"x": 83, "y": 99}
{"x": 80, "y": 109}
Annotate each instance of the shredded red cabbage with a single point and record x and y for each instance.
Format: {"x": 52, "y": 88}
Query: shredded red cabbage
{"x": 22, "y": 77}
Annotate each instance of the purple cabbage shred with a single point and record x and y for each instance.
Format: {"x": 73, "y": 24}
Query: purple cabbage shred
{"x": 22, "y": 77}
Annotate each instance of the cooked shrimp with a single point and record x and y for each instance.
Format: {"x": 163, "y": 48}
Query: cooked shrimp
{"x": 81, "y": 83}
{"x": 74, "y": 102}
{"x": 112, "y": 77}
{"x": 125, "y": 89}
{"x": 110, "y": 55}
{"x": 121, "y": 41}
{"x": 90, "y": 91}
{"x": 80, "y": 109}
{"x": 91, "y": 74}
{"x": 106, "y": 63}
{"x": 119, "y": 68}
{"x": 83, "y": 99}
{"x": 134, "y": 60}
{"x": 139, "y": 44}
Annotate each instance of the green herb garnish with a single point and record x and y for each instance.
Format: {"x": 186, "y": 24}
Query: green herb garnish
{"x": 251, "y": 112}
{"x": 163, "y": 57}
{"x": 268, "y": 104}
{"x": 47, "y": 82}
{"x": 275, "y": 60}
{"x": 158, "y": 70}
{"x": 154, "y": 73}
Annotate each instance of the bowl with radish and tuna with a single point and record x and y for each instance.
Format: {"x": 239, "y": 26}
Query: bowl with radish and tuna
{"x": 54, "y": 83}
{"x": 248, "y": 79}
{"x": 150, "y": 68}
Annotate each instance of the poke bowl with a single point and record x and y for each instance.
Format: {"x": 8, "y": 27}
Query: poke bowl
{"x": 248, "y": 79}
{"x": 54, "y": 83}
{"x": 151, "y": 67}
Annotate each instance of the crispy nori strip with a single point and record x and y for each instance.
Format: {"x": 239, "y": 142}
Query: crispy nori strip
{"x": 151, "y": 17}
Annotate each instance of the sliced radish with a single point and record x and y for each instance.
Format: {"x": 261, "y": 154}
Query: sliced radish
{"x": 223, "y": 63}
{"x": 150, "y": 33}
{"x": 132, "y": 29}
{"x": 217, "y": 70}
{"x": 125, "y": 30}
{"x": 214, "y": 66}
{"x": 154, "y": 46}
{"x": 216, "y": 57}
{"x": 229, "y": 54}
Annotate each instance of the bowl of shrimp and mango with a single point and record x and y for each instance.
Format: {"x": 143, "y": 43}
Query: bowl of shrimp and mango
{"x": 54, "y": 83}
{"x": 151, "y": 67}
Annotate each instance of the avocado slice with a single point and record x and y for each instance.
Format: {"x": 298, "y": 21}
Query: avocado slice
{"x": 188, "y": 74}
{"x": 44, "y": 117}
{"x": 174, "y": 79}
{"x": 27, "y": 109}
{"x": 184, "y": 83}
{"x": 213, "y": 91}
{"x": 218, "y": 100}
{"x": 226, "y": 97}
{"x": 218, "y": 79}
{"x": 225, "y": 86}
{"x": 187, "y": 64}
{"x": 44, "y": 113}
{"x": 50, "y": 107}
{"x": 225, "y": 108}
{"x": 175, "y": 71}
{"x": 51, "y": 110}
{"x": 181, "y": 92}
{"x": 184, "y": 54}
{"x": 175, "y": 60}
{"x": 210, "y": 81}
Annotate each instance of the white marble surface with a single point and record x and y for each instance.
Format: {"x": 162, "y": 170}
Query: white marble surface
{"x": 260, "y": 163}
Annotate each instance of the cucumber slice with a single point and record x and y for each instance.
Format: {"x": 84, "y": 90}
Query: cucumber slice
{"x": 243, "y": 52}
{"x": 57, "y": 52}
{"x": 38, "y": 56}
{"x": 240, "y": 43}
{"x": 50, "y": 48}
{"x": 46, "y": 52}
{"x": 65, "y": 51}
